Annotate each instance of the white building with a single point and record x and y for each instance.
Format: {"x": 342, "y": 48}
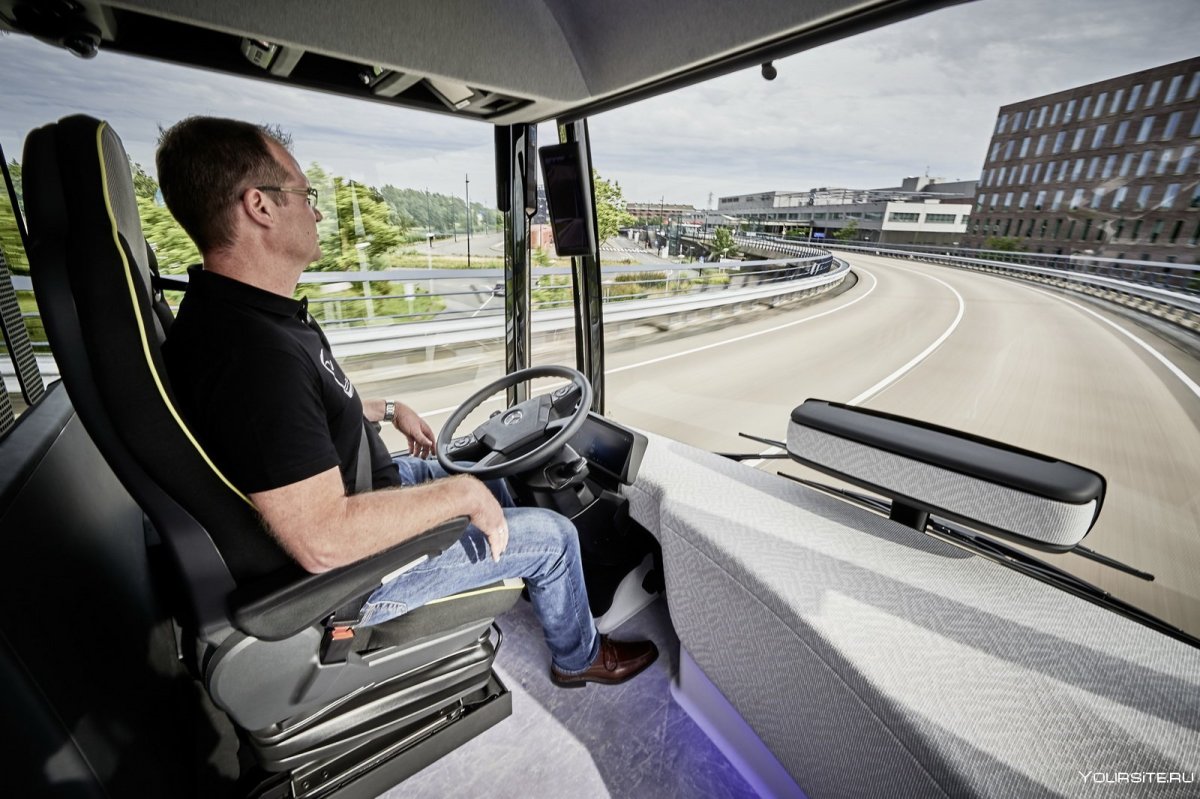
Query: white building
{"x": 921, "y": 210}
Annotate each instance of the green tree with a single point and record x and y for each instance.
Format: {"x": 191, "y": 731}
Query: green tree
{"x": 359, "y": 226}
{"x": 722, "y": 244}
{"x": 10, "y": 234}
{"x": 143, "y": 184}
{"x": 1005, "y": 243}
{"x": 173, "y": 248}
{"x": 848, "y": 232}
{"x": 14, "y": 172}
{"x": 611, "y": 215}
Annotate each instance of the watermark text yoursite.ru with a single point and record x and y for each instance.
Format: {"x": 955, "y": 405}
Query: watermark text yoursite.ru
{"x": 1137, "y": 777}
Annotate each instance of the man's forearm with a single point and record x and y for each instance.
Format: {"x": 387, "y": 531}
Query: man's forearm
{"x": 323, "y": 529}
{"x": 373, "y": 409}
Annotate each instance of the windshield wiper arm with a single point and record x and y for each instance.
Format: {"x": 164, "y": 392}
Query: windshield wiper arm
{"x": 1026, "y": 564}
{"x": 1047, "y": 573}
{"x": 767, "y": 441}
{"x": 866, "y": 500}
{"x": 755, "y": 456}
{"x": 1112, "y": 563}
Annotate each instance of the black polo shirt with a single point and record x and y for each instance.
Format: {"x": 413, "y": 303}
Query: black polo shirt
{"x": 258, "y": 385}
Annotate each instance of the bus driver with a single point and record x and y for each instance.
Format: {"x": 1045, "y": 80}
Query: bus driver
{"x": 256, "y": 381}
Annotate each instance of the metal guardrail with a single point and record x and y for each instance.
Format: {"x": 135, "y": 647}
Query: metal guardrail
{"x": 1167, "y": 291}
{"x": 1182, "y": 278}
{"x": 751, "y": 283}
{"x": 1182, "y": 308}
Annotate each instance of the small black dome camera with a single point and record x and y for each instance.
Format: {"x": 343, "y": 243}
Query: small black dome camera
{"x": 768, "y": 70}
{"x": 83, "y": 43}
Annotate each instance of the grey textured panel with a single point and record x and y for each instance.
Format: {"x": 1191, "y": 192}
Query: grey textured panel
{"x": 550, "y": 50}
{"x": 1059, "y": 523}
{"x": 500, "y": 46}
{"x": 848, "y": 641}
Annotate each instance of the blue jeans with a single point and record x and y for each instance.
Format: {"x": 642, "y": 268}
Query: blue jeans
{"x": 543, "y": 549}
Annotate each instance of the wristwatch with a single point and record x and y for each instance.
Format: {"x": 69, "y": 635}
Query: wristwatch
{"x": 389, "y": 410}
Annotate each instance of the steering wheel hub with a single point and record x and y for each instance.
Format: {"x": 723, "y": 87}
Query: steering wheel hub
{"x": 508, "y": 442}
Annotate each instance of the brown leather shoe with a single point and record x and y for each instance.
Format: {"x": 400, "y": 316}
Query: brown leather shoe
{"x": 616, "y": 662}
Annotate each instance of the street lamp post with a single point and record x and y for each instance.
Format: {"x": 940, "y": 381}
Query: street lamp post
{"x": 468, "y": 192}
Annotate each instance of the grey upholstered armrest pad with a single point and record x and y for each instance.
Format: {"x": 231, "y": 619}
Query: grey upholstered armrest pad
{"x": 1034, "y": 499}
{"x": 299, "y": 604}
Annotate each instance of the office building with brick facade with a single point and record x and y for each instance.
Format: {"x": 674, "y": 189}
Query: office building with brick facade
{"x": 1110, "y": 169}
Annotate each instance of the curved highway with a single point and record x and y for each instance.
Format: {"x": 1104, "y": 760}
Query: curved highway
{"x": 994, "y": 357}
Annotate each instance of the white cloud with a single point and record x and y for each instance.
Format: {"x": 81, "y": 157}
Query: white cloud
{"x": 863, "y": 112}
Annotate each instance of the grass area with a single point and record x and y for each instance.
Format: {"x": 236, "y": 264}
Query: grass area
{"x": 416, "y": 260}
{"x": 37, "y": 331}
{"x": 555, "y": 290}
{"x": 388, "y": 305}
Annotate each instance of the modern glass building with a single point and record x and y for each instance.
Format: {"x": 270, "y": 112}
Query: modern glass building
{"x": 1108, "y": 169}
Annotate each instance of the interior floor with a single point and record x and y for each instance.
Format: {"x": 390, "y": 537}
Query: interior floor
{"x": 629, "y": 740}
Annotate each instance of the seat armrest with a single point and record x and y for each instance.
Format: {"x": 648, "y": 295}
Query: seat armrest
{"x": 277, "y": 612}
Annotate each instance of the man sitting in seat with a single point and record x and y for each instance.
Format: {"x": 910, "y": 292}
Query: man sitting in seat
{"x": 256, "y": 380}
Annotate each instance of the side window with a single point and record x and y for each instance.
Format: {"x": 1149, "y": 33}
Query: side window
{"x": 409, "y": 283}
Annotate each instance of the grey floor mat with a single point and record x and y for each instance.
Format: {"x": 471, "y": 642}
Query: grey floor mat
{"x": 630, "y": 740}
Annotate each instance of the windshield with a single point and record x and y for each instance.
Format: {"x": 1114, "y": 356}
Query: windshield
{"x": 1010, "y": 127}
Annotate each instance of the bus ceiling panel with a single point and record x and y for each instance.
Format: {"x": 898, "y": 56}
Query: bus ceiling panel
{"x": 514, "y": 47}
{"x": 508, "y": 63}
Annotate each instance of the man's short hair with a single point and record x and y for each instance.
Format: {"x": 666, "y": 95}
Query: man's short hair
{"x": 205, "y": 164}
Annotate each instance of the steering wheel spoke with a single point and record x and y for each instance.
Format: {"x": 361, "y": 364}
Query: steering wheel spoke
{"x": 565, "y": 400}
{"x": 467, "y": 448}
{"x": 493, "y": 458}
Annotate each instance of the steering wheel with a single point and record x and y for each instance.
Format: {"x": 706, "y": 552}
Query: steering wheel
{"x": 494, "y": 445}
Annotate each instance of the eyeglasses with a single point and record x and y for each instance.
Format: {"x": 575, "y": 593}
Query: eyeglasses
{"x": 310, "y": 194}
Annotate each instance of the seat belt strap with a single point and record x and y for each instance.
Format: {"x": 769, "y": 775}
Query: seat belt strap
{"x": 362, "y": 480}
{"x": 337, "y": 642}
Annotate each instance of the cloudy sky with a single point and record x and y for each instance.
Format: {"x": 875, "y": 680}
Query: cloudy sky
{"x": 865, "y": 112}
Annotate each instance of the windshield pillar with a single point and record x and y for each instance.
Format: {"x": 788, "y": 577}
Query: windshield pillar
{"x": 516, "y": 197}
{"x": 589, "y": 314}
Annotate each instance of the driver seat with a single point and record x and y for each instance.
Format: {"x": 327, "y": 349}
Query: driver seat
{"x": 324, "y": 707}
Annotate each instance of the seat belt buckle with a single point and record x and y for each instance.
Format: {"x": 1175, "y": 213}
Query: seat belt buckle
{"x": 337, "y": 643}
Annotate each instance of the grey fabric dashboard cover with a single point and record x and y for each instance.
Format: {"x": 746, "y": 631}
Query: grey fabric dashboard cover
{"x": 875, "y": 661}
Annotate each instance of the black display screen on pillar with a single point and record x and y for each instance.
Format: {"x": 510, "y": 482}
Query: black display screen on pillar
{"x": 568, "y": 195}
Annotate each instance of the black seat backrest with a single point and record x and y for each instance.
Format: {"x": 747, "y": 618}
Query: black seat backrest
{"x": 91, "y": 273}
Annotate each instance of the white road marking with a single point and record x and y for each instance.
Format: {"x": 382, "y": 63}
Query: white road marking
{"x": 908, "y": 367}
{"x": 776, "y": 329}
{"x": 1172, "y": 368}
{"x": 903, "y": 370}
{"x": 874, "y": 283}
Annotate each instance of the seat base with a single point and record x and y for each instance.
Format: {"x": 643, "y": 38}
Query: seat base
{"x": 381, "y": 762}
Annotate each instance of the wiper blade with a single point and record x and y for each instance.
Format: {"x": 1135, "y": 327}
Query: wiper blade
{"x": 767, "y": 441}
{"x": 758, "y": 456}
{"x": 1047, "y": 573}
{"x": 1020, "y": 561}
{"x": 1112, "y": 563}
{"x": 753, "y": 456}
{"x": 866, "y": 500}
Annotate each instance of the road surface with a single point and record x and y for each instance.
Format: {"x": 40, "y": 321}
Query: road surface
{"x": 994, "y": 357}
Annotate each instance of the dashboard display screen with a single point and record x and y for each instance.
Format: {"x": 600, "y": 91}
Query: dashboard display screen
{"x": 609, "y": 447}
